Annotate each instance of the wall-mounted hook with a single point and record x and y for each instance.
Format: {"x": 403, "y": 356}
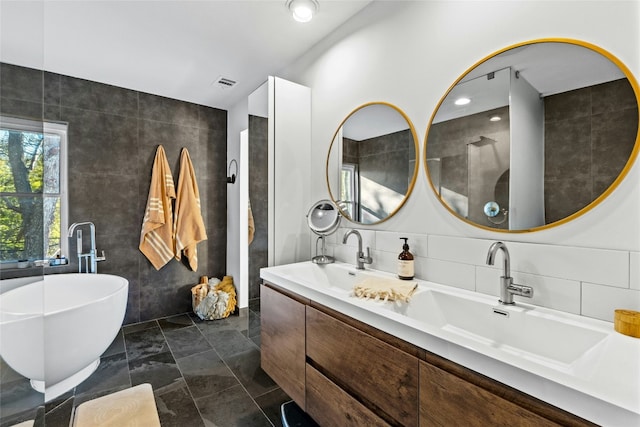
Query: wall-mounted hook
{"x": 231, "y": 177}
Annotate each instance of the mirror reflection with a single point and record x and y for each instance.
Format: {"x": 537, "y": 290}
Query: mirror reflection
{"x": 371, "y": 166}
{"x": 534, "y": 135}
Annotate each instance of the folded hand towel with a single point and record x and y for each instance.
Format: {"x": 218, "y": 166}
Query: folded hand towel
{"x": 189, "y": 226}
{"x": 386, "y": 289}
{"x": 156, "y": 237}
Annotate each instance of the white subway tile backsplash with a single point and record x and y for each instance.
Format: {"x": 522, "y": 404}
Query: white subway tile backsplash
{"x": 458, "y": 249}
{"x": 368, "y": 238}
{"x": 607, "y": 267}
{"x": 390, "y": 242}
{"x": 550, "y": 292}
{"x": 634, "y": 270}
{"x": 447, "y": 273}
{"x": 600, "y": 301}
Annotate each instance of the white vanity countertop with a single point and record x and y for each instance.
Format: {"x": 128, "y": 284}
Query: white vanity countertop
{"x": 602, "y": 385}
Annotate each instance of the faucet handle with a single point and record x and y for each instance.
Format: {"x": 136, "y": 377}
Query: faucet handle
{"x": 367, "y": 259}
{"x": 101, "y": 258}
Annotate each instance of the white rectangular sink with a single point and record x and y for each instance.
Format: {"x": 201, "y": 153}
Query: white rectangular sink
{"x": 540, "y": 335}
{"x": 532, "y": 333}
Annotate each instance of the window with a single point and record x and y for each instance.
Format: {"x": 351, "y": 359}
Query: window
{"x": 349, "y": 190}
{"x": 33, "y": 189}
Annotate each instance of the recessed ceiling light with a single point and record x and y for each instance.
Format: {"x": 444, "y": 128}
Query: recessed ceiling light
{"x": 302, "y": 10}
{"x": 462, "y": 101}
{"x": 494, "y": 118}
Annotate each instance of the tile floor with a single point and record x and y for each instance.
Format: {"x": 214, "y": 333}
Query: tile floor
{"x": 203, "y": 374}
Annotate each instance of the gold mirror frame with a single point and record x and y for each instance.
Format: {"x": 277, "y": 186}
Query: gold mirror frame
{"x": 415, "y": 169}
{"x": 625, "y": 170}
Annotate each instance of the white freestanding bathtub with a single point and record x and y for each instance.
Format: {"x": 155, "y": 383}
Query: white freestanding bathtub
{"x": 53, "y": 331}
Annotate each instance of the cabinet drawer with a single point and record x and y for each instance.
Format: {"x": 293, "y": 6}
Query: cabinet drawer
{"x": 447, "y": 400}
{"x": 380, "y": 376}
{"x": 282, "y": 336}
{"x": 331, "y": 406}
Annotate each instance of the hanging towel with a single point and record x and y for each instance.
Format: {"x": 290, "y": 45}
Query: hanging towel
{"x": 156, "y": 237}
{"x": 252, "y": 225}
{"x": 189, "y": 226}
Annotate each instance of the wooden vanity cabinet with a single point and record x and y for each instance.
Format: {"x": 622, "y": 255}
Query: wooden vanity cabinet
{"x": 375, "y": 373}
{"x": 282, "y": 338}
{"x": 344, "y": 372}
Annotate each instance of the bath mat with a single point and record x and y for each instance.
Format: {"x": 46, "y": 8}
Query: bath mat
{"x": 133, "y": 407}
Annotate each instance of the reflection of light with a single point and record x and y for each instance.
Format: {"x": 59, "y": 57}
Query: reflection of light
{"x": 462, "y": 101}
{"x": 378, "y": 199}
{"x": 495, "y": 119}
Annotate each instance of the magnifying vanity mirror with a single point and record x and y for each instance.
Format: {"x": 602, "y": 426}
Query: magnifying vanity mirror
{"x": 371, "y": 165}
{"x": 323, "y": 219}
{"x": 533, "y": 136}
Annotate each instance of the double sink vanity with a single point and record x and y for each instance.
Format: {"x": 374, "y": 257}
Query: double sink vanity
{"x": 446, "y": 357}
{"x": 495, "y": 158}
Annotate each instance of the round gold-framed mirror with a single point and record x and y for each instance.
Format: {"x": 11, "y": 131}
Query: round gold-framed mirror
{"x": 533, "y": 135}
{"x": 372, "y": 163}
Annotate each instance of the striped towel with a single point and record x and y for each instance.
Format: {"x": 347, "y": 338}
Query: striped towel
{"x": 156, "y": 237}
{"x": 189, "y": 226}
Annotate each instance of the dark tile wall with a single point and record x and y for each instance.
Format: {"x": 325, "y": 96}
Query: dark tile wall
{"x": 386, "y": 159}
{"x": 113, "y": 135}
{"x": 589, "y": 135}
{"x": 259, "y": 198}
{"x": 448, "y": 141}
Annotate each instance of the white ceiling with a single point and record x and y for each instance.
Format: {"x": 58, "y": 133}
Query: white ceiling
{"x": 174, "y": 48}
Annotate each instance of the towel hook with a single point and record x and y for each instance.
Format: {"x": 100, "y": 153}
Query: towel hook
{"x": 231, "y": 177}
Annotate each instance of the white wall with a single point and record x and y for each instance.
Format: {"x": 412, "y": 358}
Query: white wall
{"x": 408, "y": 54}
{"x": 237, "y": 121}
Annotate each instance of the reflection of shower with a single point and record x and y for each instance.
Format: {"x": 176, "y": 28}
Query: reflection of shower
{"x": 483, "y": 141}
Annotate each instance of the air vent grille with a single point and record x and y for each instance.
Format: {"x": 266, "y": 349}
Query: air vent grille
{"x": 224, "y": 82}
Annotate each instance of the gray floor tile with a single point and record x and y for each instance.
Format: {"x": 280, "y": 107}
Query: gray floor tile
{"x": 139, "y": 326}
{"x": 158, "y": 370}
{"x": 176, "y": 407}
{"x": 117, "y": 345}
{"x": 206, "y": 374}
{"x": 175, "y": 322}
{"x": 246, "y": 366}
{"x": 229, "y": 342}
{"x": 111, "y": 375}
{"x": 186, "y": 341}
{"x": 231, "y": 408}
{"x": 270, "y": 404}
{"x": 144, "y": 343}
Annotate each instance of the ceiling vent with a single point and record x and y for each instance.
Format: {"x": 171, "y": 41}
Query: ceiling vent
{"x": 224, "y": 83}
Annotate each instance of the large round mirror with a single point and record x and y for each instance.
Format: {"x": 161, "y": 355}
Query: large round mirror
{"x": 371, "y": 165}
{"x": 534, "y": 135}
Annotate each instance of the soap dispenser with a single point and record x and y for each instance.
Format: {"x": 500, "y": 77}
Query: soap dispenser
{"x": 405, "y": 262}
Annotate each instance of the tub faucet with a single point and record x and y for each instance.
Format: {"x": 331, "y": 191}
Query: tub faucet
{"x": 361, "y": 260}
{"x": 90, "y": 259}
{"x": 507, "y": 288}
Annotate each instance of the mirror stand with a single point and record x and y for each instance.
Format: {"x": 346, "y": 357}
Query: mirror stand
{"x": 322, "y": 258}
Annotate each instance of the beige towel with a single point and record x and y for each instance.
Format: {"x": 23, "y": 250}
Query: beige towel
{"x": 252, "y": 225}
{"x": 156, "y": 237}
{"x": 189, "y": 226}
{"x": 386, "y": 289}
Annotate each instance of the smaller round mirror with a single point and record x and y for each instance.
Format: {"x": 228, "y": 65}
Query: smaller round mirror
{"x": 371, "y": 164}
{"x": 323, "y": 219}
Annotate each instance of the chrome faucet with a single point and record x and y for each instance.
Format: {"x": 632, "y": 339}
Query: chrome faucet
{"x": 90, "y": 259}
{"x": 361, "y": 260}
{"x": 507, "y": 288}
